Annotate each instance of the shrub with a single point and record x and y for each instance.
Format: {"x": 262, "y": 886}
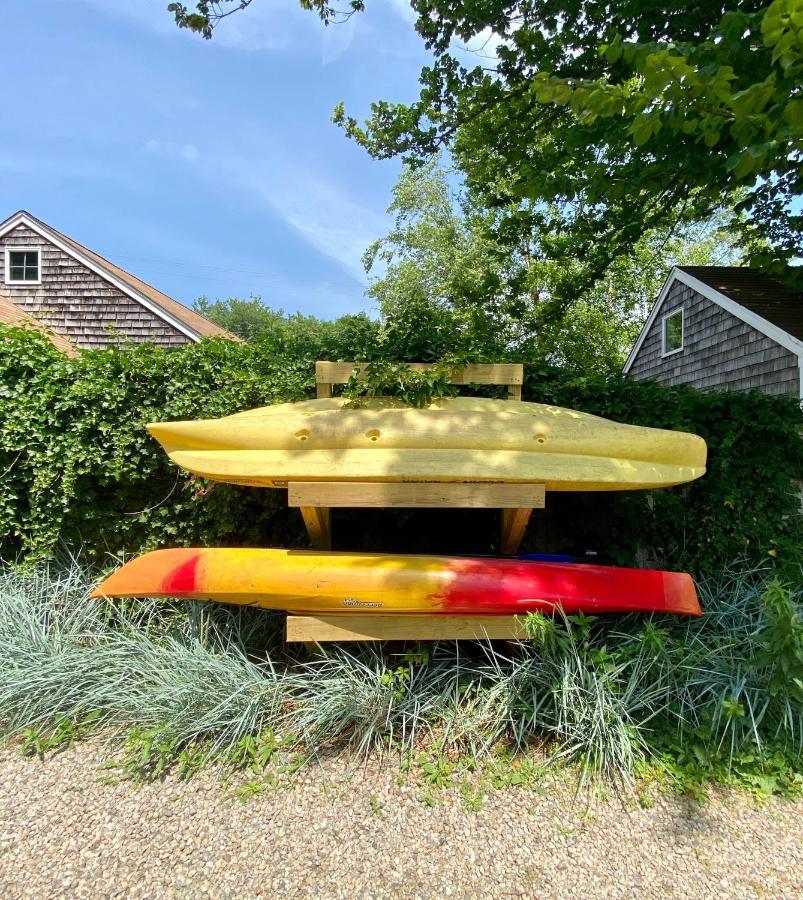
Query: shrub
{"x": 79, "y": 466}
{"x": 79, "y": 469}
{"x": 747, "y": 505}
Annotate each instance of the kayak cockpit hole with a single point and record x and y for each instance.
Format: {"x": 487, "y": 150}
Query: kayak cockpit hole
{"x": 303, "y": 434}
{"x": 373, "y": 434}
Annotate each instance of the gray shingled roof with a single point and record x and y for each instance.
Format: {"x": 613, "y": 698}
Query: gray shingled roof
{"x": 760, "y": 293}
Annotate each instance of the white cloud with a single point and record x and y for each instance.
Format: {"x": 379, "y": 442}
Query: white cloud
{"x": 338, "y": 227}
{"x": 337, "y": 39}
{"x": 321, "y": 211}
{"x": 265, "y": 26}
{"x": 404, "y": 9}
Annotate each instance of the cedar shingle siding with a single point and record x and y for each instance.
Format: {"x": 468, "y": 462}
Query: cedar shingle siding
{"x": 720, "y": 351}
{"x": 79, "y": 304}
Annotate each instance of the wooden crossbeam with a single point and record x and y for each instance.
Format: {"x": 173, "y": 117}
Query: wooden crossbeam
{"x": 480, "y": 495}
{"x": 509, "y": 374}
{"x": 322, "y": 629}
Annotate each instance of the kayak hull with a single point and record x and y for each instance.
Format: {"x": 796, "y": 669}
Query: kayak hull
{"x": 458, "y": 439}
{"x": 316, "y": 582}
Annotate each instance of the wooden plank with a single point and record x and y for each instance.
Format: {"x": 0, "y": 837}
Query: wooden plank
{"x": 474, "y": 373}
{"x": 322, "y": 391}
{"x": 514, "y": 524}
{"x": 402, "y": 628}
{"x": 481, "y": 495}
{"x": 514, "y": 391}
{"x": 319, "y": 525}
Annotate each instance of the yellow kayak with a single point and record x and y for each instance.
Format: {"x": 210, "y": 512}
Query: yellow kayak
{"x": 457, "y": 439}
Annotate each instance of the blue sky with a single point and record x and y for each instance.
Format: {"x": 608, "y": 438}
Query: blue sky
{"x": 205, "y": 167}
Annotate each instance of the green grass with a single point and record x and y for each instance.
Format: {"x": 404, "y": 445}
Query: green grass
{"x": 718, "y": 698}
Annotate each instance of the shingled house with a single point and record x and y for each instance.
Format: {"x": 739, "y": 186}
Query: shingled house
{"x": 82, "y": 298}
{"x": 723, "y": 328}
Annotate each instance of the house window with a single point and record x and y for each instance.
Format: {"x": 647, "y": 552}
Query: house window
{"x": 22, "y": 266}
{"x": 673, "y": 332}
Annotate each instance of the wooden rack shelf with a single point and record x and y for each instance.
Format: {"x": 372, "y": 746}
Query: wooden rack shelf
{"x": 321, "y": 629}
{"x": 511, "y": 375}
{"x": 315, "y": 500}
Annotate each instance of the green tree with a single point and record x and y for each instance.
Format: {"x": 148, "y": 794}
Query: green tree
{"x": 294, "y": 335}
{"x": 631, "y": 118}
{"x": 441, "y": 255}
{"x": 596, "y": 123}
{"x": 446, "y": 283}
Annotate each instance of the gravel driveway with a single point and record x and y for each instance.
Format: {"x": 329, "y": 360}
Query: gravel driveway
{"x": 338, "y": 832}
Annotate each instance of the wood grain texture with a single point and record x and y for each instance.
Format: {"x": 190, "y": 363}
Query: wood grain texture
{"x": 514, "y": 524}
{"x": 322, "y": 629}
{"x": 475, "y": 373}
{"x": 319, "y": 526}
{"x": 415, "y": 494}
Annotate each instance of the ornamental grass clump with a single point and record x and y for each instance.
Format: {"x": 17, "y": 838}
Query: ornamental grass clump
{"x": 190, "y": 680}
{"x": 740, "y": 666}
{"x": 64, "y": 657}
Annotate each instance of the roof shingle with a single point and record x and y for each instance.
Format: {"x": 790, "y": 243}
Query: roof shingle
{"x": 760, "y": 293}
{"x": 11, "y": 314}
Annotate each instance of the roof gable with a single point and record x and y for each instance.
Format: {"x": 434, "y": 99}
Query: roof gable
{"x": 187, "y": 321}
{"x": 770, "y": 300}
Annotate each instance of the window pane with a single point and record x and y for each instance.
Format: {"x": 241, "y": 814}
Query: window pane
{"x": 23, "y": 265}
{"x": 673, "y": 332}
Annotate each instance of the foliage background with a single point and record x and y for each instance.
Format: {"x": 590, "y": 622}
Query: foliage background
{"x": 80, "y": 471}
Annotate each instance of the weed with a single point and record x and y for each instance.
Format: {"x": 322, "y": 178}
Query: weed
{"x": 435, "y": 770}
{"x": 40, "y": 741}
{"x": 254, "y": 787}
{"x": 473, "y": 799}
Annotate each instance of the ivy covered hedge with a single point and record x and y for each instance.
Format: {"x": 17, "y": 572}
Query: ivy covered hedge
{"x": 748, "y": 504}
{"x": 78, "y": 470}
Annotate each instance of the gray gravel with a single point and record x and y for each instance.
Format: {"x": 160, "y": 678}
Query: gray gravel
{"x": 351, "y": 831}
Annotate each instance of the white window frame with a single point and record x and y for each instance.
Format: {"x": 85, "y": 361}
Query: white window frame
{"x": 7, "y": 271}
{"x": 664, "y": 351}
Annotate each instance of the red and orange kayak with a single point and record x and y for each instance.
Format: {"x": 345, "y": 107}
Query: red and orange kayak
{"x": 318, "y": 582}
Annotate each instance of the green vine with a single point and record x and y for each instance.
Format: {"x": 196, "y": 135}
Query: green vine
{"x": 395, "y": 379}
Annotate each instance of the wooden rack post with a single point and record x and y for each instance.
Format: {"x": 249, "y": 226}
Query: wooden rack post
{"x": 315, "y": 500}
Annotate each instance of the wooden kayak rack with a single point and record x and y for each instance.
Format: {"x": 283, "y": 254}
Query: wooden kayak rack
{"x": 316, "y": 499}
